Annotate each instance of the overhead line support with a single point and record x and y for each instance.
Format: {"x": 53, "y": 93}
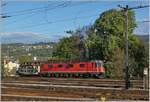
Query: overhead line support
{"x": 126, "y": 9}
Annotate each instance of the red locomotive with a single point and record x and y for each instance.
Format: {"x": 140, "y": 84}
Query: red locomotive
{"x": 63, "y": 69}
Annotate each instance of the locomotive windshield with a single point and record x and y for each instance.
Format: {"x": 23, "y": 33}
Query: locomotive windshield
{"x": 99, "y": 64}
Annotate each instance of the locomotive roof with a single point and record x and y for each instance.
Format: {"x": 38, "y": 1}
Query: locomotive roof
{"x": 62, "y": 61}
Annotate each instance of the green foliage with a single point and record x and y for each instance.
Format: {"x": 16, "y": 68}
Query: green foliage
{"x": 70, "y": 47}
{"x": 112, "y": 22}
{"x": 138, "y": 59}
{"x": 117, "y": 61}
{"x": 15, "y": 50}
{"x": 64, "y": 49}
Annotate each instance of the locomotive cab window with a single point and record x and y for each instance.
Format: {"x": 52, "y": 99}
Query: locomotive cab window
{"x": 50, "y": 66}
{"x": 82, "y": 65}
{"x": 100, "y": 64}
{"x": 60, "y": 66}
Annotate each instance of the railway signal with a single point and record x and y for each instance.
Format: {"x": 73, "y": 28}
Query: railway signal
{"x": 126, "y": 9}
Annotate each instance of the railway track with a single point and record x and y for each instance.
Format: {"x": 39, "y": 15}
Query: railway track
{"x": 13, "y": 93}
{"x": 82, "y": 82}
{"x": 46, "y": 89}
{"x": 111, "y": 85}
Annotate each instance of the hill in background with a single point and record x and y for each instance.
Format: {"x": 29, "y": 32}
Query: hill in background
{"x": 144, "y": 38}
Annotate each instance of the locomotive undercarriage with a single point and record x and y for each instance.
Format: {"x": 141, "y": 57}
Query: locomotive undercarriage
{"x": 72, "y": 75}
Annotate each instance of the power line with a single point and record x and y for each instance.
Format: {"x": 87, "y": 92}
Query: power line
{"x": 57, "y": 21}
{"x": 40, "y": 9}
{"x": 145, "y": 21}
{"x": 29, "y": 10}
{"x": 4, "y": 3}
{"x": 62, "y": 5}
{"x": 32, "y": 11}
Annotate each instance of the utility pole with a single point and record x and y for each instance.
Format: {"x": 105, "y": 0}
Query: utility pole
{"x": 126, "y": 9}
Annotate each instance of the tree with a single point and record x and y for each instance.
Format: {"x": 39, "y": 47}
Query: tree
{"x": 138, "y": 59}
{"x": 106, "y": 39}
{"x": 72, "y": 47}
{"x": 112, "y": 22}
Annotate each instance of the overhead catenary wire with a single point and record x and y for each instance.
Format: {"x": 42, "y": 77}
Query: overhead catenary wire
{"x": 34, "y": 13}
{"x": 4, "y": 3}
{"x": 30, "y": 10}
{"x": 62, "y": 5}
{"x": 57, "y": 21}
{"x": 29, "y": 13}
{"x": 24, "y": 17}
{"x": 41, "y": 9}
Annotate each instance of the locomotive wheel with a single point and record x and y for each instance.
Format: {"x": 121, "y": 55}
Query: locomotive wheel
{"x": 81, "y": 75}
{"x": 87, "y": 75}
{"x": 57, "y": 75}
{"x": 48, "y": 75}
{"x": 71, "y": 75}
{"x": 61, "y": 75}
{"x": 68, "y": 75}
{"x": 91, "y": 75}
{"x": 77, "y": 75}
{"x": 64, "y": 75}
{"x": 52, "y": 75}
{"x": 45, "y": 75}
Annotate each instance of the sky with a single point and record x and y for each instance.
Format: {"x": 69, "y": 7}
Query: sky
{"x": 48, "y": 20}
